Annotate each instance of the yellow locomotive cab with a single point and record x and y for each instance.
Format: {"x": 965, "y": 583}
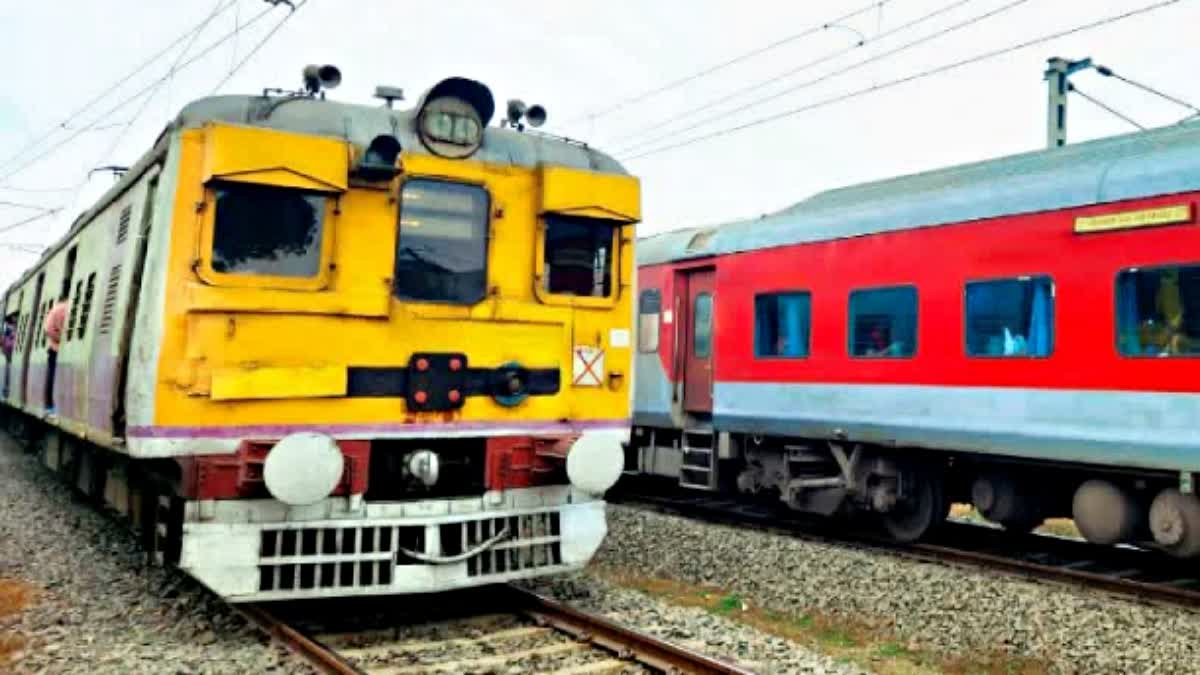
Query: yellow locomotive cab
{"x": 370, "y": 351}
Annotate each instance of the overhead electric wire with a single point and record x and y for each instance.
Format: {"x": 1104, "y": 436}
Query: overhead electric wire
{"x": 217, "y": 10}
{"x": 827, "y": 76}
{"x": 911, "y": 78}
{"x": 31, "y": 219}
{"x": 35, "y": 190}
{"x": 111, "y": 88}
{"x": 127, "y": 125}
{"x": 758, "y": 51}
{"x": 254, "y": 50}
{"x": 1108, "y": 72}
{"x": 1100, "y": 104}
{"x": 726, "y": 97}
{"x": 130, "y": 99}
{"x": 19, "y": 205}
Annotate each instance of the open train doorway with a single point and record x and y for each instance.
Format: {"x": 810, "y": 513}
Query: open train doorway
{"x": 32, "y": 331}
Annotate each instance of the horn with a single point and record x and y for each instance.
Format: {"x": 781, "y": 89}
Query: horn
{"x": 516, "y": 110}
{"x": 317, "y": 78}
{"x": 536, "y": 115}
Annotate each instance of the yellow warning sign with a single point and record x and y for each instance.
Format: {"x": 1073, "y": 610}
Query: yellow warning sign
{"x": 1164, "y": 215}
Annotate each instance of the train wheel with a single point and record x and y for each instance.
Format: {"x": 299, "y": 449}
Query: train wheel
{"x": 1175, "y": 523}
{"x": 923, "y": 507}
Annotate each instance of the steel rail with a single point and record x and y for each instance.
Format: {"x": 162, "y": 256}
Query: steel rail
{"x": 625, "y": 642}
{"x": 324, "y": 659}
{"x": 1013, "y": 558}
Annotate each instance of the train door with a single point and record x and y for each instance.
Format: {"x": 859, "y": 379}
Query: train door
{"x": 696, "y": 302}
{"x": 33, "y": 328}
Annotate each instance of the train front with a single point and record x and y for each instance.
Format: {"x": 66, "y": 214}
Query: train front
{"x": 394, "y": 355}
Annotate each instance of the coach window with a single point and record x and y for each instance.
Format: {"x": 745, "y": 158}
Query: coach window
{"x": 649, "y": 313}
{"x": 883, "y": 322}
{"x": 1010, "y": 317}
{"x": 441, "y": 251}
{"x": 267, "y": 231}
{"x": 577, "y": 256}
{"x": 1158, "y": 311}
{"x": 781, "y": 325}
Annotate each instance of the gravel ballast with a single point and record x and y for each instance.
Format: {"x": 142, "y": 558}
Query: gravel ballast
{"x": 944, "y": 609}
{"x": 690, "y": 627}
{"x": 97, "y": 606}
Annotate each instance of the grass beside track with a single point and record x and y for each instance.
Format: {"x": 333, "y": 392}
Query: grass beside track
{"x": 15, "y": 596}
{"x": 873, "y": 647}
{"x": 1062, "y": 527}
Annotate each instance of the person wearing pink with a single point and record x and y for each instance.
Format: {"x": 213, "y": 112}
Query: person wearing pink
{"x": 56, "y": 318}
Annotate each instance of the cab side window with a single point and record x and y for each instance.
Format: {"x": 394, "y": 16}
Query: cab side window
{"x": 578, "y": 256}
{"x": 265, "y": 230}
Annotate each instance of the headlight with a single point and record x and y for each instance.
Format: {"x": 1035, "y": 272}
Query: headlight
{"x": 303, "y": 468}
{"x": 595, "y": 462}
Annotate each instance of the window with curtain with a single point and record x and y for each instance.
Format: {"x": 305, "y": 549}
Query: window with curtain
{"x": 1158, "y": 311}
{"x": 649, "y": 313}
{"x": 781, "y": 324}
{"x": 883, "y": 322}
{"x": 1010, "y": 317}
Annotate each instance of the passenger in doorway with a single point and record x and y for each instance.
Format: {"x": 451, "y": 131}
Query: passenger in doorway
{"x": 56, "y": 318}
{"x": 8, "y": 337}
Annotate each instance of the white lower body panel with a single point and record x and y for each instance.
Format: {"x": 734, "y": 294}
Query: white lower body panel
{"x": 253, "y": 550}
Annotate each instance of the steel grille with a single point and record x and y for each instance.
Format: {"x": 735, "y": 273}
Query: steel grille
{"x": 315, "y": 558}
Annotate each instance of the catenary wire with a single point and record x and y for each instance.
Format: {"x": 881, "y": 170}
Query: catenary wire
{"x": 1108, "y": 72}
{"x": 726, "y": 97}
{"x": 111, "y": 88}
{"x": 966, "y": 23}
{"x": 292, "y": 9}
{"x": 1100, "y": 104}
{"x": 126, "y": 126}
{"x": 130, "y": 99}
{"x": 20, "y": 205}
{"x": 758, "y": 51}
{"x": 911, "y": 78}
{"x": 31, "y": 219}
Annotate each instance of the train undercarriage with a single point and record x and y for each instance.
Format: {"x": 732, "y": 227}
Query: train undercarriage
{"x": 910, "y": 490}
{"x": 384, "y": 540}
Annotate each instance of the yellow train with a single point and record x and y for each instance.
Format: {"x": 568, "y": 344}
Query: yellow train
{"x": 316, "y": 349}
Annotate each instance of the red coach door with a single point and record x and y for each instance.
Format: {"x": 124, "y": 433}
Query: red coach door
{"x": 697, "y": 324}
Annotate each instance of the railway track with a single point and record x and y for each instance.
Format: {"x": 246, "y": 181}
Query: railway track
{"x": 503, "y": 630}
{"x": 1127, "y": 570}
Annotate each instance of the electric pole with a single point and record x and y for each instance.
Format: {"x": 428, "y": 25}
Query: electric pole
{"x": 1057, "y": 72}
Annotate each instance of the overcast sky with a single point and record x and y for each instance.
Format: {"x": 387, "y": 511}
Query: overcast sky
{"x": 586, "y": 60}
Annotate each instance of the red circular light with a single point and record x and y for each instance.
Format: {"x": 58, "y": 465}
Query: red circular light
{"x": 454, "y": 396}
{"x": 420, "y": 397}
{"x": 455, "y": 364}
{"x": 422, "y": 364}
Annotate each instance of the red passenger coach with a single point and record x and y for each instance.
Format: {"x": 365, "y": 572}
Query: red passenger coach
{"x": 1023, "y": 334}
